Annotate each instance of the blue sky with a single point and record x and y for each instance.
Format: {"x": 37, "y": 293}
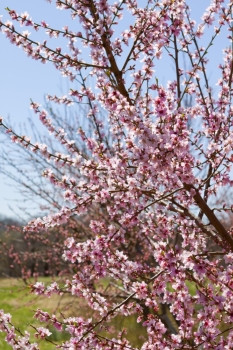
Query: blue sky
{"x": 23, "y": 78}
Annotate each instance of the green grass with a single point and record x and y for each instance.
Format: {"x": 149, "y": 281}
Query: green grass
{"x": 15, "y": 298}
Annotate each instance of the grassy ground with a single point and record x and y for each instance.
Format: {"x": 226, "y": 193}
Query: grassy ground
{"x": 15, "y": 298}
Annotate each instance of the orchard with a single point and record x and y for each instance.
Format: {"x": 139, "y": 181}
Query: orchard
{"x": 144, "y": 173}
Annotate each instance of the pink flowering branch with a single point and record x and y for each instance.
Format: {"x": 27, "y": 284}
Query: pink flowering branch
{"x": 140, "y": 184}
{"x": 211, "y": 216}
{"x": 112, "y": 311}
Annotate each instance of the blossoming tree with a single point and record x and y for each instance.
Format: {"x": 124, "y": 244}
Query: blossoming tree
{"x": 153, "y": 164}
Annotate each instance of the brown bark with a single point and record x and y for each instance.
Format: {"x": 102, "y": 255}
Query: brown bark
{"x": 214, "y": 221}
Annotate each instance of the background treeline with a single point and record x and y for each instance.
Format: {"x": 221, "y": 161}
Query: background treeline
{"x": 24, "y": 255}
{"x": 31, "y": 254}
